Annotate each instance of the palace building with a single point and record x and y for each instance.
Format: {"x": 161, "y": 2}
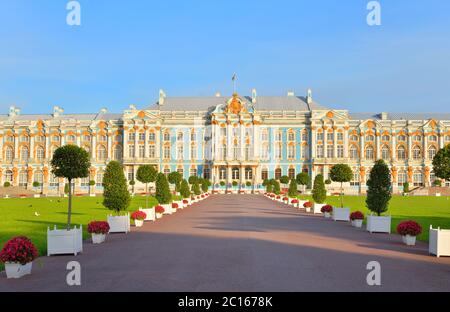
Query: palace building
{"x": 224, "y": 139}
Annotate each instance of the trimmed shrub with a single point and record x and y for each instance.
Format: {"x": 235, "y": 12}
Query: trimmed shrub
{"x": 163, "y": 195}
{"x": 319, "y": 192}
{"x": 115, "y": 196}
{"x": 379, "y": 188}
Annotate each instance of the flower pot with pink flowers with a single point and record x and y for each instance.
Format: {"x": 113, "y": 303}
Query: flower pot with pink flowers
{"x": 327, "y": 210}
{"x": 159, "y": 211}
{"x": 294, "y": 202}
{"x": 98, "y": 231}
{"x": 357, "y": 219}
{"x": 308, "y": 205}
{"x": 138, "y": 217}
{"x": 175, "y": 207}
{"x": 18, "y": 255}
{"x": 409, "y": 230}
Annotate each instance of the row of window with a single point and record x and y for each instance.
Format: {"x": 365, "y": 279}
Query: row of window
{"x": 401, "y": 153}
{"x": 400, "y": 138}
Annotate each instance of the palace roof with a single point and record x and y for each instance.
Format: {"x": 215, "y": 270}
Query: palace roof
{"x": 263, "y": 103}
{"x": 400, "y": 116}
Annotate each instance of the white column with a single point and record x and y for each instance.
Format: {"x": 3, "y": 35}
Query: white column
{"x": 441, "y": 137}
{"x": 146, "y": 143}
{"x": 346, "y": 144}
{"x": 230, "y": 147}
{"x": 136, "y": 144}
{"x": 125, "y": 144}
{"x": 378, "y": 145}
{"x": 256, "y": 142}
{"x": 109, "y": 144}
{"x": 425, "y": 147}
{"x": 313, "y": 143}
{"x": 158, "y": 143}
{"x": 47, "y": 146}
{"x": 16, "y": 146}
{"x": 362, "y": 153}
{"x": 242, "y": 141}
{"x": 94, "y": 147}
{"x": 78, "y": 136}
{"x": 335, "y": 142}
{"x": 31, "y": 152}
{"x": 393, "y": 148}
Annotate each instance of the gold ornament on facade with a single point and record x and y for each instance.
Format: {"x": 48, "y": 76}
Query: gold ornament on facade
{"x": 235, "y": 106}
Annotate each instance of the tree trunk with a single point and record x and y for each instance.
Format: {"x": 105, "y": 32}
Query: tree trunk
{"x": 342, "y": 195}
{"x": 69, "y": 213}
{"x": 146, "y": 195}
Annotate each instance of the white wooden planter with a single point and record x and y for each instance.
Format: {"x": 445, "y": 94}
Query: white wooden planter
{"x": 341, "y": 214}
{"x": 301, "y": 203}
{"x": 159, "y": 215}
{"x": 318, "y": 208}
{"x": 119, "y": 224}
{"x": 150, "y": 212}
{"x": 439, "y": 242}
{"x": 37, "y": 196}
{"x": 377, "y": 224}
{"x": 327, "y": 215}
{"x": 17, "y": 270}
{"x": 98, "y": 238}
{"x": 91, "y": 195}
{"x": 63, "y": 242}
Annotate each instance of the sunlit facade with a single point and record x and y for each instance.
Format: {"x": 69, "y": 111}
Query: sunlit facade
{"x": 243, "y": 139}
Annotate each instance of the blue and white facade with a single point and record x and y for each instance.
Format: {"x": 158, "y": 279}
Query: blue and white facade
{"x": 235, "y": 140}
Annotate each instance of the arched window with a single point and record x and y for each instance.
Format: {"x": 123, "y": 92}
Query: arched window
{"x": 141, "y": 151}
{"x": 264, "y": 174}
{"x": 418, "y": 178}
{"x": 24, "y": 155}
{"x": 54, "y": 181}
{"x": 248, "y": 173}
{"x": 101, "y": 153}
{"x": 291, "y": 173}
{"x": 432, "y": 151}
{"x": 142, "y": 136}
{"x": 23, "y": 178}
{"x": 356, "y": 181}
{"x": 278, "y": 173}
{"x": 370, "y": 154}
{"x": 354, "y": 152}
{"x": 40, "y": 153}
{"x": 9, "y": 154}
{"x": 235, "y": 174}
{"x": 180, "y": 152}
{"x": 417, "y": 153}
{"x": 167, "y": 152}
{"x": 39, "y": 177}
{"x": 385, "y": 152}
{"x": 223, "y": 173}
{"x": 402, "y": 178}
{"x": 401, "y": 153}
{"x": 166, "y": 136}
{"x": 118, "y": 152}
{"x": 8, "y": 176}
{"x": 193, "y": 152}
{"x": 99, "y": 179}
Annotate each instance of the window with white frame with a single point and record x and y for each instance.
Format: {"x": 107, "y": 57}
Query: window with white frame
{"x": 354, "y": 152}
{"x": 152, "y": 137}
{"x": 131, "y": 137}
{"x": 99, "y": 180}
{"x": 166, "y": 152}
{"x": 141, "y": 151}
{"x": 340, "y": 151}
{"x": 131, "y": 151}
{"x": 291, "y": 152}
{"x": 432, "y": 151}
{"x": 23, "y": 178}
{"x": 24, "y": 153}
{"x": 402, "y": 178}
{"x": 180, "y": 152}
{"x": 417, "y": 153}
{"x": 385, "y": 153}
{"x": 142, "y": 136}
{"x": 340, "y": 136}
{"x": 152, "y": 151}
{"x": 320, "y": 151}
{"x": 330, "y": 151}
{"x": 193, "y": 152}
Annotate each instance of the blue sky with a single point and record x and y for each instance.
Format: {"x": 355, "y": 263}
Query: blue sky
{"x": 125, "y": 51}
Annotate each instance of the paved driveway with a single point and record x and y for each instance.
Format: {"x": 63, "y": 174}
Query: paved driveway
{"x": 242, "y": 243}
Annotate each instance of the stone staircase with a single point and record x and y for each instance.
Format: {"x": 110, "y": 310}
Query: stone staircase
{"x": 16, "y": 191}
{"x": 430, "y": 191}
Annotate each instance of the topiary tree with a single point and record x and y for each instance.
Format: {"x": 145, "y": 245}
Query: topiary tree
{"x": 276, "y": 187}
{"x": 406, "y": 188}
{"x": 7, "y": 184}
{"x": 91, "y": 183}
{"x": 222, "y": 183}
{"x": 36, "y": 184}
{"x": 132, "y": 183}
{"x": 175, "y": 178}
{"x": 184, "y": 189}
{"x": 115, "y": 195}
{"x": 193, "y": 179}
{"x": 196, "y": 187}
{"x": 269, "y": 188}
{"x": 293, "y": 188}
{"x": 328, "y": 181}
{"x": 303, "y": 179}
{"x": 441, "y": 163}
{"x": 248, "y": 184}
{"x": 67, "y": 188}
{"x": 284, "y": 180}
{"x": 379, "y": 192}
{"x": 319, "y": 192}
{"x": 205, "y": 185}
{"x": 437, "y": 183}
{"x": 162, "y": 190}
{"x": 341, "y": 173}
{"x": 146, "y": 174}
{"x": 70, "y": 162}
{"x": 235, "y": 183}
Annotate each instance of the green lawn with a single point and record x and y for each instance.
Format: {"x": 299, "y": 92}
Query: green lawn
{"x": 17, "y": 216}
{"x": 424, "y": 210}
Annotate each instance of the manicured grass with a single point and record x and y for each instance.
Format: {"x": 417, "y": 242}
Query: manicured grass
{"x": 425, "y": 210}
{"x": 17, "y": 216}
